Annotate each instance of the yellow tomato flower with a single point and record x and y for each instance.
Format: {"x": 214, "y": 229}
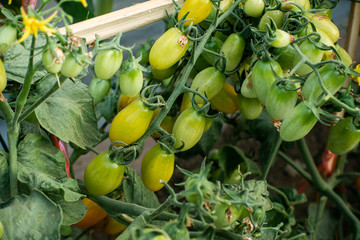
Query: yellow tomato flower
{"x": 84, "y": 3}
{"x": 32, "y": 24}
{"x": 357, "y": 69}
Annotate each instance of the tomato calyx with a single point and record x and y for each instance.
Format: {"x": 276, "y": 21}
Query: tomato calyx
{"x": 125, "y": 154}
{"x": 152, "y": 102}
{"x": 168, "y": 141}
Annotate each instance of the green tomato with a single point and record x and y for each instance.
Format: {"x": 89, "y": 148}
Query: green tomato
{"x": 332, "y": 79}
{"x": 276, "y": 15}
{"x": 233, "y": 49}
{"x": 280, "y": 101}
{"x": 313, "y": 53}
{"x": 298, "y": 123}
{"x": 71, "y": 68}
{"x": 107, "y": 63}
{"x": 131, "y": 82}
{"x": 188, "y": 127}
{"x": 165, "y": 73}
{"x": 285, "y": 57}
{"x": 263, "y": 77}
{"x": 52, "y": 63}
{"x": 206, "y": 190}
{"x": 323, "y": 23}
{"x": 226, "y": 99}
{"x": 8, "y": 35}
{"x": 102, "y": 175}
{"x": 157, "y": 165}
{"x": 343, "y": 137}
{"x": 344, "y": 55}
{"x": 250, "y": 108}
{"x": 305, "y": 4}
{"x": 144, "y": 52}
{"x": 98, "y": 89}
{"x": 1, "y": 230}
{"x": 213, "y": 44}
{"x": 254, "y": 8}
{"x": 198, "y": 11}
{"x": 283, "y": 39}
{"x": 168, "y": 49}
{"x": 130, "y": 123}
{"x": 225, "y": 215}
{"x": 3, "y": 79}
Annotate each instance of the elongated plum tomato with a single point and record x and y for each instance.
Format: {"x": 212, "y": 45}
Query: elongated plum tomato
{"x": 99, "y": 89}
{"x": 343, "y": 136}
{"x": 3, "y": 79}
{"x": 53, "y": 63}
{"x": 233, "y": 49}
{"x": 198, "y": 11}
{"x": 130, "y": 123}
{"x": 323, "y": 23}
{"x": 107, "y": 63}
{"x": 251, "y": 108}
{"x": 298, "y": 123}
{"x": 164, "y": 74}
{"x": 70, "y": 67}
{"x": 157, "y": 165}
{"x": 131, "y": 82}
{"x": 276, "y": 15}
{"x": 189, "y": 127}
{"x": 263, "y": 77}
{"x": 8, "y": 35}
{"x": 213, "y": 44}
{"x": 168, "y": 49}
{"x": 313, "y": 53}
{"x": 102, "y": 175}
{"x": 226, "y": 100}
{"x": 93, "y": 215}
{"x": 254, "y": 8}
{"x": 283, "y": 39}
{"x": 225, "y": 215}
{"x": 113, "y": 227}
{"x": 332, "y": 79}
{"x": 124, "y": 101}
{"x": 280, "y": 101}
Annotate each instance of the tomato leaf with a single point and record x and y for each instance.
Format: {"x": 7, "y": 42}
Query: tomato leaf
{"x": 72, "y": 212}
{"x": 107, "y": 108}
{"x": 69, "y": 113}
{"x": 16, "y": 60}
{"x": 326, "y": 225}
{"x": 136, "y": 192}
{"x": 31, "y": 217}
{"x": 4, "y": 177}
{"x": 211, "y": 137}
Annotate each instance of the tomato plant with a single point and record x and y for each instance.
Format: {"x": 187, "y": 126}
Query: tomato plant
{"x": 107, "y": 63}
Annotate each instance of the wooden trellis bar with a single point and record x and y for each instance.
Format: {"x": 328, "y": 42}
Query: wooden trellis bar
{"x": 123, "y": 20}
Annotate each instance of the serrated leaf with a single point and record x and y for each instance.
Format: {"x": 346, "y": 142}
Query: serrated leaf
{"x": 42, "y": 166}
{"x": 136, "y": 192}
{"x": 16, "y": 60}
{"x": 69, "y": 113}
{"x": 4, "y": 177}
{"x": 31, "y": 217}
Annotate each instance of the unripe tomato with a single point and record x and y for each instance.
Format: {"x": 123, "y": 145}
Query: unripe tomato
{"x": 344, "y": 55}
{"x": 297, "y": 123}
{"x": 259, "y": 215}
{"x": 51, "y": 63}
{"x": 254, "y": 8}
{"x": 209, "y": 81}
{"x": 285, "y": 57}
{"x": 124, "y": 101}
{"x": 323, "y": 23}
{"x": 343, "y": 137}
{"x": 3, "y": 79}
{"x": 280, "y": 101}
{"x": 263, "y": 77}
{"x": 251, "y": 108}
{"x": 226, "y": 100}
{"x": 113, "y": 227}
{"x": 102, "y": 175}
{"x": 157, "y": 165}
{"x": 283, "y": 39}
{"x": 198, "y": 11}
{"x": 93, "y": 215}
{"x": 167, "y": 123}
{"x": 130, "y": 123}
{"x": 313, "y": 53}
{"x": 168, "y": 49}
{"x": 225, "y": 215}
{"x": 276, "y": 15}
{"x": 1, "y": 230}
{"x": 164, "y": 74}
{"x": 107, "y": 63}
{"x": 8, "y": 35}
{"x": 247, "y": 88}
{"x": 332, "y": 78}
{"x": 206, "y": 189}
{"x": 188, "y": 127}
{"x": 131, "y": 82}
{"x": 70, "y": 67}
{"x": 98, "y": 89}
{"x": 233, "y": 49}
{"x": 305, "y": 4}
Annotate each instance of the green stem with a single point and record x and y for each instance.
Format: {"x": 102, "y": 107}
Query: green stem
{"x": 272, "y": 156}
{"x": 13, "y": 135}
{"x": 319, "y": 214}
{"x": 138, "y": 222}
{"x": 7, "y": 112}
{"x": 40, "y": 100}
{"x": 180, "y": 87}
{"x": 323, "y": 188}
{"x": 299, "y": 169}
{"x": 22, "y": 97}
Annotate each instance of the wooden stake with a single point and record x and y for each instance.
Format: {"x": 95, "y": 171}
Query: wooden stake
{"x": 123, "y": 20}
{"x": 352, "y": 34}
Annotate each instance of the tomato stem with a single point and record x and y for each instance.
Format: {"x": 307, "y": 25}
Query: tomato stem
{"x": 272, "y": 156}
